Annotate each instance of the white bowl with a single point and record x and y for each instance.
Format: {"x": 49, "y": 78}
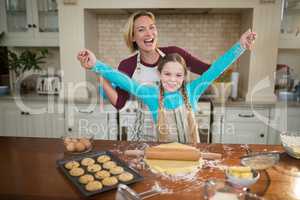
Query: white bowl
{"x": 242, "y": 182}
{"x": 291, "y": 143}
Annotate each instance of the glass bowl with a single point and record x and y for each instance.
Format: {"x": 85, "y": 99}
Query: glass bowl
{"x": 291, "y": 143}
{"x": 217, "y": 189}
{"x": 78, "y": 144}
{"x": 242, "y": 179}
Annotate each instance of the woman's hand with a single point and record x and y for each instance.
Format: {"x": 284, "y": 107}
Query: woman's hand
{"x": 247, "y": 39}
{"x": 86, "y": 58}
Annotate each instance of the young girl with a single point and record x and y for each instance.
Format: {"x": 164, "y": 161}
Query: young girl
{"x": 173, "y": 102}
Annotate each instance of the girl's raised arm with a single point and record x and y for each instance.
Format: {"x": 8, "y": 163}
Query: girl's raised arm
{"x": 199, "y": 85}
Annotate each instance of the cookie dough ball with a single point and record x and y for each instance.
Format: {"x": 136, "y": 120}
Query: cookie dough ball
{"x": 102, "y": 174}
{"x": 72, "y": 164}
{"x": 110, "y": 181}
{"x": 94, "y": 168}
{"x": 109, "y": 165}
{"x": 85, "y": 179}
{"x": 125, "y": 176}
{"x": 76, "y": 171}
{"x": 116, "y": 170}
{"x": 93, "y": 186}
{"x": 87, "y": 161}
{"x": 103, "y": 158}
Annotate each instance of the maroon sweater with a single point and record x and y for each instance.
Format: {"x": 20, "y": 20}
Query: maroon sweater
{"x": 128, "y": 66}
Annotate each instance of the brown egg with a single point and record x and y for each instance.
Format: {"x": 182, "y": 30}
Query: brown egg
{"x": 67, "y": 140}
{"x": 70, "y": 146}
{"x": 86, "y": 142}
{"x": 79, "y": 146}
{"x": 74, "y": 140}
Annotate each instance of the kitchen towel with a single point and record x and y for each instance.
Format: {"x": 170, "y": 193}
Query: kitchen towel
{"x": 234, "y": 82}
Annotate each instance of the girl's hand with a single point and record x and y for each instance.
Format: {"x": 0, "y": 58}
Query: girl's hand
{"x": 86, "y": 58}
{"x": 247, "y": 39}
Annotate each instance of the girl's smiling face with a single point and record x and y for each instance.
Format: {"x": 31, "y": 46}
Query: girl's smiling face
{"x": 172, "y": 76}
{"x": 145, "y": 33}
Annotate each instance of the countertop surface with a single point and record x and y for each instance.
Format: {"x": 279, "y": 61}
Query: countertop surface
{"x": 29, "y": 171}
{"x": 57, "y": 99}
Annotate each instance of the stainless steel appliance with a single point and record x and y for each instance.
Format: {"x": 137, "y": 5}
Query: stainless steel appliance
{"x": 48, "y": 84}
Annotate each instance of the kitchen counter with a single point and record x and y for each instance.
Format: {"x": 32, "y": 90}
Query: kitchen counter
{"x": 29, "y": 171}
{"x": 55, "y": 98}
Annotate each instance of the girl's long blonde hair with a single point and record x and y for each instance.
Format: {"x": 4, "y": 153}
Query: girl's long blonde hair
{"x": 163, "y": 130}
{"x": 129, "y": 28}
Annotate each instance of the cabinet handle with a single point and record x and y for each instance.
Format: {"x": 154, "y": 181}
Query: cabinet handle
{"x": 29, "y": 25}
{"x": 69, "y": 129}
{"x": 33, "y": 25}
{"x": 262, "y": 135}
{"x": 86, "y": 111}
{"x": 246, "y": 116}
{"x": 27, "y": 113}
{"x": 22, "y": 113}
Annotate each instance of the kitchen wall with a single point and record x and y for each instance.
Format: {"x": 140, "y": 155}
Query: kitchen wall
{"x": 79, "y": 31}
{"x": 206, "y": 36}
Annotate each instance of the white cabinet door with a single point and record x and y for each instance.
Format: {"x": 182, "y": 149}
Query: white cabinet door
{"x": 245, "y": 126}
{"x": 24, "y": 122}
{"x": 81, "y": 120}
{"x": 29, "y": 22}
{"x": 293, "y": 119}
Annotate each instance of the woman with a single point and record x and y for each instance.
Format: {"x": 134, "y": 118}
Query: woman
{"x": 173, "y": 102}
{"x": 141, "y": 37}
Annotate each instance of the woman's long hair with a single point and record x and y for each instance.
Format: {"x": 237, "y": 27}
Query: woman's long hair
{"x": 163, "y": 130}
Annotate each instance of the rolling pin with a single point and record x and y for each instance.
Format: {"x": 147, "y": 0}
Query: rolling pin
{"x": 172, "y": 154}
{"x": 204, "y": 155}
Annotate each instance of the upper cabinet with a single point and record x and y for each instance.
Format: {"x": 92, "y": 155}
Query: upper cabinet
{"x": 29, "y": 22}
{"x": 290, "y": 27}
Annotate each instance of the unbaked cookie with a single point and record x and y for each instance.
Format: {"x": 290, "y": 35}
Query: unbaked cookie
{"x": 102, "y": 174}
{"x": 76, "y": 171}
{"x": 116, "y": 170}
{"x": 72, "y": 164}
{"x": 93, "y": 186}
{"x": 109, "y": 164}
{"x": 94, "y": 168}
{"x": 125, "y": 176}
{"x": 87, "y": 161}
{"x": 110, "y": 181}
{"x": 103, "y": 158}
{"x": 84, "y": 179}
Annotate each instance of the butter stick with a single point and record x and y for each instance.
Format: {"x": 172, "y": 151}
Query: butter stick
{"x": 159, "y": 153}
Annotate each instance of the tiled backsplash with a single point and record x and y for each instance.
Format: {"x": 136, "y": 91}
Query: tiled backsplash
{"x": 206, "y": 36}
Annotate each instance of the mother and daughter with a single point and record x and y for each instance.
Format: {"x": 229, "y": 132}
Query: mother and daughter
{"x": 173, "y": 102}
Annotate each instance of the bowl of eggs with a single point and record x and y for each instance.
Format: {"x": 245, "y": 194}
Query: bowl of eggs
{"x": 241, "y": 176}
{"x": 77, "y": 145}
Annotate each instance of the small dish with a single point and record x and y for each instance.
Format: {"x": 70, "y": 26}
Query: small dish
{"x": 241, "y": 178}
{"x": 260, "y": 160}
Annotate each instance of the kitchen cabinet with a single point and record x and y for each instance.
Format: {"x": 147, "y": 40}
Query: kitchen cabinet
{"x": 86, "y": 120}
{"x": 29, "y": 22}
{"x": 240, "y": 125}
{"x": 290, "y": 26}
{"x": 27, "y": 122}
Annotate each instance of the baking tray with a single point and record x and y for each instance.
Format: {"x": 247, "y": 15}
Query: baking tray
{"x": 94, "y": 155}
